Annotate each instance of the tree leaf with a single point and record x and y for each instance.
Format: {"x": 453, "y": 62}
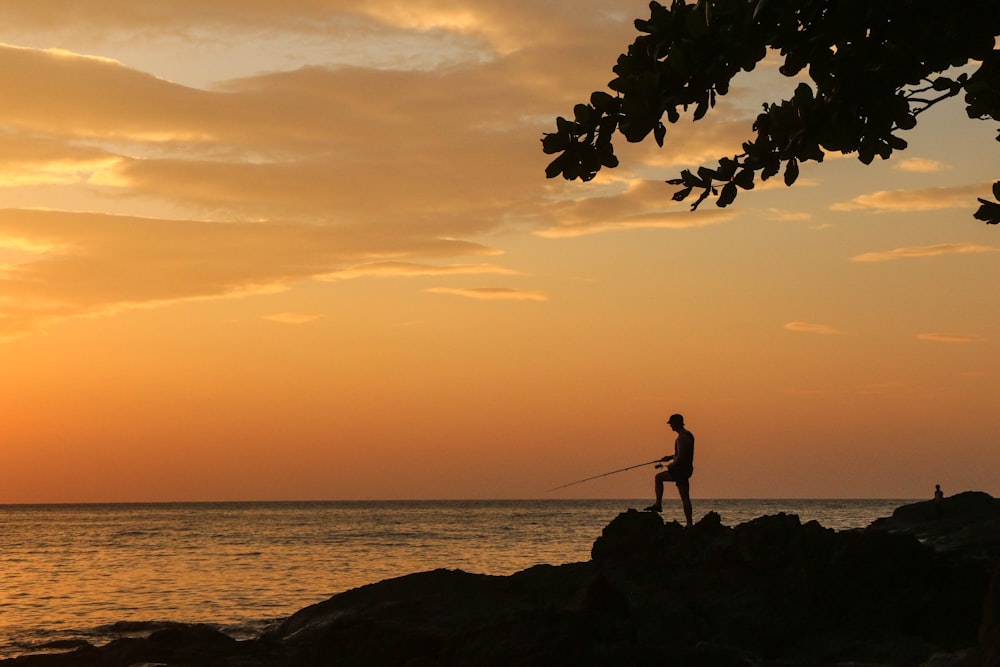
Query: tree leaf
{"x": 700, "y": 110}
{"x": 744, "y": 179}
{"x": 727, "y": 168}
{"x": 601, "y": 100}
{"x": 555, "y": 167}
{"x": 727, "y": 196}
{"x": 691, "y": 180}
{"x": 943, "y": 83}
{"x": 989, "y": 212}
{"x": 706, "y": 174}
{"x": 771, "y": 167}
{"x": 791, "y": 171}
{"x": 554, "y": 143}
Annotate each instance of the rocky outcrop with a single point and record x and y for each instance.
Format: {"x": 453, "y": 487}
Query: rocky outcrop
{"x": 772, "y": 592}
{"x": 787, "y": 591}
{"x": 966, "y": 524}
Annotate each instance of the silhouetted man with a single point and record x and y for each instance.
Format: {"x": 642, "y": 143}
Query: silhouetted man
{"x": 938, "y": 493}
{"x": 680, "y": 466}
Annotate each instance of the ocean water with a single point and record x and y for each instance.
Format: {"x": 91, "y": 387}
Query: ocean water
{"x": 96, "y": 572}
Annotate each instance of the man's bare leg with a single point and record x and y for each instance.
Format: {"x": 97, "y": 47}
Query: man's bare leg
{"x": 658, "y": 487}
{"x": 684, "y": 489}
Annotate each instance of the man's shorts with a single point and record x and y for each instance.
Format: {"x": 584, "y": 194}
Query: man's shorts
{"x": 681, "y": 477}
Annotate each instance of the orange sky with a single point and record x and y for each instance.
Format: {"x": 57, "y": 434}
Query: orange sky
{"x": 295, "y": 250}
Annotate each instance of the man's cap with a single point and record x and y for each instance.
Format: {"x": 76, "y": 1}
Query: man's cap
{"x": 675, "y": 419}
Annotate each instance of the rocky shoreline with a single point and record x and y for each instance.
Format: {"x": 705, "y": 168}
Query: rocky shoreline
{"x": 920, "y": 588}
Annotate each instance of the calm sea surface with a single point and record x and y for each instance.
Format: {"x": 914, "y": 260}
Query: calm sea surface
{"x": 78, "y": 571}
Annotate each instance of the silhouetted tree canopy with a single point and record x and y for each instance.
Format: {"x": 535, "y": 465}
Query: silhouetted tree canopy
{"x": 874, "y": 66}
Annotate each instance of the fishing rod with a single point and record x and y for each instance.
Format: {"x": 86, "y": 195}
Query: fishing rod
{"x": 605, "y": 474}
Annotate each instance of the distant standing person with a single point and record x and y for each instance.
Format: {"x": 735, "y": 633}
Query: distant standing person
{"x": 680, "y": 466}
{"x": 938, "y": 493}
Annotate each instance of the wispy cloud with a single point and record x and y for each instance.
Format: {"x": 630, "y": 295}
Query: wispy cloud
{"x": 949, "y": 338}
{"x": 286, "y": 170}
{"x": 924, "y": 251}
{"x": 205, "y": 169}
{"x": 82, "y": 264}
{"x": 492, "y": 293}
{"x": 810, "y": 327}
{"x": 675, "y": 220}
{"x": 926, "y": 199}
{"x": 501, "y": 27}
{"x": 412, "y": 269}
{"x": 293, "y": 318}
{"x": 782, "y": 215}
{"x": 921, "y": 165}
{"x": 693, "y": 143}
{"x": 641, "y": 204}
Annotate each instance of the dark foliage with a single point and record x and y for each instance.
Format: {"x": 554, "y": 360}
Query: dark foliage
{"x": 874, "y": 68}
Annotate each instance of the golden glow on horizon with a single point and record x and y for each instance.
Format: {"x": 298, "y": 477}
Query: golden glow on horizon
{"x": 317, "y": 271}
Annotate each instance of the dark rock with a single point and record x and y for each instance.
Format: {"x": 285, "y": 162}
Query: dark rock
{"x": 772, "y": 592}
{"x": 175, "y": 644}
{"x": 988, "y": 652}
{"x": 629, "y": 534}
{"x": 966, "y": 506}
{"x": 967, "y": 524}
{"x": 707, "y": 654}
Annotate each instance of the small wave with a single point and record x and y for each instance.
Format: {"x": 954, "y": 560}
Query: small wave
{"x": 128, "y": 628}
{"x": 249, "y": 629}
{"x": 131, "y": 533}
{"x": 60, "y": 645}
